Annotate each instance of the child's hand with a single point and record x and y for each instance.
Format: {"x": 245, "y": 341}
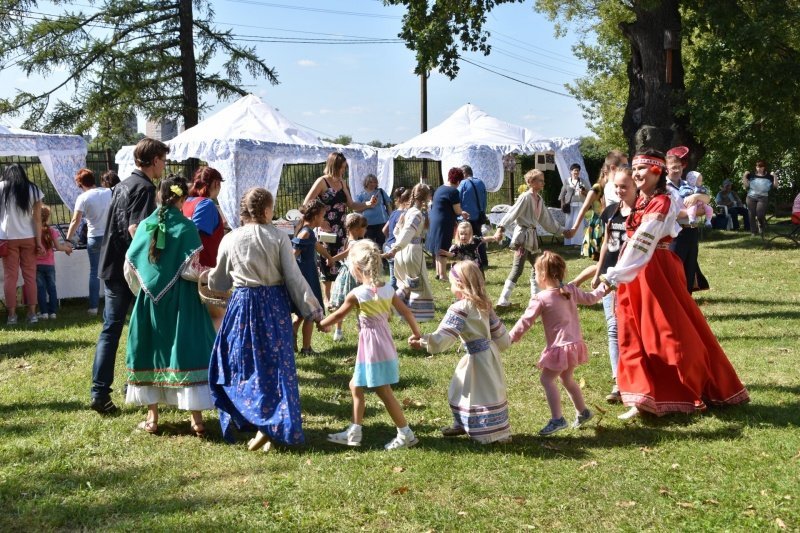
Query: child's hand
{"x": 323, "y": 329}
{"x": 415, "y": 342}
{"x": 388, "y": 255}
{"x": 330, "y": 262}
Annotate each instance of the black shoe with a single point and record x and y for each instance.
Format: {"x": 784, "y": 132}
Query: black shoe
{"x": 104, "y": 406}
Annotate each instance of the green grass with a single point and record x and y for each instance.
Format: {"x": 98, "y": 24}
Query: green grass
{"x": 64, "y": 467}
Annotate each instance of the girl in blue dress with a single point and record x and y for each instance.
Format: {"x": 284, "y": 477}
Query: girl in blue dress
{"x": 306, "y": 247}
{"x": 252, "y": 373}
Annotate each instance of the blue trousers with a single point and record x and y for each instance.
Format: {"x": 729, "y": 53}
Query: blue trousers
{"x": 46, "y": 289}
{"x": 118, "y": 300}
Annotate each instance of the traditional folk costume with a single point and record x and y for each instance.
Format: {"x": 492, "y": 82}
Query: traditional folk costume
{"x": 252, "y": 375}
{"x": 477, "y": 393}
{"x": 687, "y": 244}
{"x": 170, "y": 333}
{"x": 670, "y": 360}
{"x": 470, "y": 251}
{"x": 527, "y": 212}
{"x": 409, "y": 265}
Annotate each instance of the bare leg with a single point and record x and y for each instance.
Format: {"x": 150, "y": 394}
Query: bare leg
{"x": 586, "y": 274}
{"x": 308, "y": 330}
{"x": 386, "y": 395}
{"x": 573, "y": 389}
{"x": 359, "y": 405}
{"x": 441, "y": 266}
{"x": 326, "y": 286}
{"x": 152, "y": 413}
{"x": 548, "y": 381}
{"x": 295, "y": 328}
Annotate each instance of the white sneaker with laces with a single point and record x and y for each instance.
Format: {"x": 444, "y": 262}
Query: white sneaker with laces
{"x": 402, "y": 441}
{"x": 348, "y": 437}
{"x": 43, "y": 316}
{"x": 53, "y": 316}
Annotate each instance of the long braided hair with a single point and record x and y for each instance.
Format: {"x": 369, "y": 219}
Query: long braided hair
{"x": 365, "y": 256}
{"x": 254, "y": 204}
{"x": 171, "y": 190}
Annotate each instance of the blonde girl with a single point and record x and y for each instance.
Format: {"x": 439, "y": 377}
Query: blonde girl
{"x": 557, "y": 303}
{"x": 467, "y": 246}
{"x": 356, "y": 226}
{"x": 477, "y": 394}
{"x": 376, "y": 361}
{"x": 409, "y": 264}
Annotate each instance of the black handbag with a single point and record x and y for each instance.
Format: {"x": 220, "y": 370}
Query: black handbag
{"x": 565, "y": 208}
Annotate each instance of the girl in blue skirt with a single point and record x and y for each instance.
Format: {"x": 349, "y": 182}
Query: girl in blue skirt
{"x": 252, "y": 372}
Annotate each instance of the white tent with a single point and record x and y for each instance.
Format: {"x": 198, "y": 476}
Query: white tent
{"x": 249, "y": 142}
{"x": 471, "y": 137}
{"x": 61, "y": 156}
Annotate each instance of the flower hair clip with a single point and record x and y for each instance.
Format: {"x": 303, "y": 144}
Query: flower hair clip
{"x": 177, "y": 191}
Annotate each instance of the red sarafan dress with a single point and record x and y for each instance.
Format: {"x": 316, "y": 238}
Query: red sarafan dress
{"x": 669, "y": 359}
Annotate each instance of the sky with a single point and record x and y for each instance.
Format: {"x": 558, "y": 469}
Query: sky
{"x": 369, "y": 91}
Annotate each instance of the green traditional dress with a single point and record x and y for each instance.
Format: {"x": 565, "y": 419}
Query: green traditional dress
{"x": 170, "y": 335}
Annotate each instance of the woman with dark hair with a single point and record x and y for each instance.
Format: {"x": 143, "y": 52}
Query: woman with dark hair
{"x": 170, "y": 335}
{"x": 109, "y": 179}
{"x": 92, "y": 204}
{"x": 669, "y": 359}
{"x": 332, "y": 190}
{"x": 445, "y": 207}
{"x": 758, "y": 185}
{"x": 21, "y": 228}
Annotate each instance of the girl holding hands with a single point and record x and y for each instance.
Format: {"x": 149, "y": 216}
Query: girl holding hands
{"x": 557, "y": 305}
{"x": 377, "y": 365}
{"x": 477, "y": 393}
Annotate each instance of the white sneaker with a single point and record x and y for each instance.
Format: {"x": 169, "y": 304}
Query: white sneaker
{"x": 347, "y": 437}
{"x": 92, "y": 311}
{"x": 43, "y": 316}
{"x": 402, "y": 441}
{"x": 633, "y": 412}
{"x": 338, "y": 335}
{"x": 53, "y": 316}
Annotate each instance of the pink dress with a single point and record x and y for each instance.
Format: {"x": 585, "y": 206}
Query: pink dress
{"x": 562, "y": 330}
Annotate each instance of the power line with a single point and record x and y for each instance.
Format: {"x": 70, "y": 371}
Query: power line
{"x": 518, "y": 73}
{"x": 516, "y": 80}
{"x": 316, "y": 9}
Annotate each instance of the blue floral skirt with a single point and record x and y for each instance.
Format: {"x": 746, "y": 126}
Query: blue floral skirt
{"x": 252, "y": 372}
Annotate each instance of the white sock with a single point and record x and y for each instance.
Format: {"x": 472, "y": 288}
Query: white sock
{"x": 355, "y": 428}
{"x": 404, "y": 431}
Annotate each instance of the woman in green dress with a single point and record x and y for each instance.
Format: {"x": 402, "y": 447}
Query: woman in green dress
{"x": 170, "y": 335}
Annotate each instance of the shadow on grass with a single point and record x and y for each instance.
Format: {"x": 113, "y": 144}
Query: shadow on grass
{"x": 776, "y": 315}
{"x": 43, "y": 345}
{"x": 59, "y": 407}
{"x": 336, "y": 371}
{"x": 704, "y": 298}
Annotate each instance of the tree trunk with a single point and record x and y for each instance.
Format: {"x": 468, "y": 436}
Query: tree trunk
{"x": 652, "y": 118}
{"x": 191, "y": 102}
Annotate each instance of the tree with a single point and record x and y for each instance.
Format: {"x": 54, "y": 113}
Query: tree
{"x": 740, "y": 60}
{"x": 128, "y": 56}
{"x": 655, "y": 110}
{"x": 341, "y": 139}
{"x": 431, "y": 31}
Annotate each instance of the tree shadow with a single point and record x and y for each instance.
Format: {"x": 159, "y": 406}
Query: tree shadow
{"x": 777, "y": 315}
{"x": 704, "y": 298}
{"x": 27, "y": 347}
{"x": 59, "y": 407}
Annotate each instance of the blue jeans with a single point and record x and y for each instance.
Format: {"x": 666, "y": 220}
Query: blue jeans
{"x": 118, "y": 300}
{"x": 46, "y": 289}
{"x": 93, "y": 247}
{"x": 609, "y": 309}
{"x": 392, "y": 279}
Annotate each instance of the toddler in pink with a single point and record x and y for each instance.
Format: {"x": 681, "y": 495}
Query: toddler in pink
{"x": 557, "y": 303}
{"x": 46, "y": 267}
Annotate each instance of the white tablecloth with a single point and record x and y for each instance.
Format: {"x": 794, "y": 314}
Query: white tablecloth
{"x": 72, "y": 275}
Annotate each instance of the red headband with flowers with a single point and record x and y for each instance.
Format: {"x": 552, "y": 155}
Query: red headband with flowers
{"x": 649, "y": 160}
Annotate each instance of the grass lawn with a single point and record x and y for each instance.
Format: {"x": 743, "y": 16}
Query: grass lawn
{"x": 64, "y": 467}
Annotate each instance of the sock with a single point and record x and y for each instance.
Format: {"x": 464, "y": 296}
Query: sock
{"x": 404, "y": 431}
{"x": 356, "y": 428}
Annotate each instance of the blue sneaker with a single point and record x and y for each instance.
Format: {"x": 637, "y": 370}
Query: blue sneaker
{"x": 554, "y": 425}
{"x": 582, "y": 418}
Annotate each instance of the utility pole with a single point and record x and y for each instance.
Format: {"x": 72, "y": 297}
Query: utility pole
{"x": 423, "y": 115}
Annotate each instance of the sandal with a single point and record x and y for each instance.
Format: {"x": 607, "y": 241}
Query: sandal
{"x": 148, "y": 426}
{"x": 453, "y": 431}
{"x": 261, "y": 440}
{"x": 198, "y": 429}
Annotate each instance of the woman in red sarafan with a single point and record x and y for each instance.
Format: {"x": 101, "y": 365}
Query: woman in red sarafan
{"x": 669, "y": 360}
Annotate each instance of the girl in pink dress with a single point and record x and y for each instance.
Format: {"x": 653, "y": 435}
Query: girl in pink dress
{"x": 557, "y": 305}
{"x": 377, "y": 366}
